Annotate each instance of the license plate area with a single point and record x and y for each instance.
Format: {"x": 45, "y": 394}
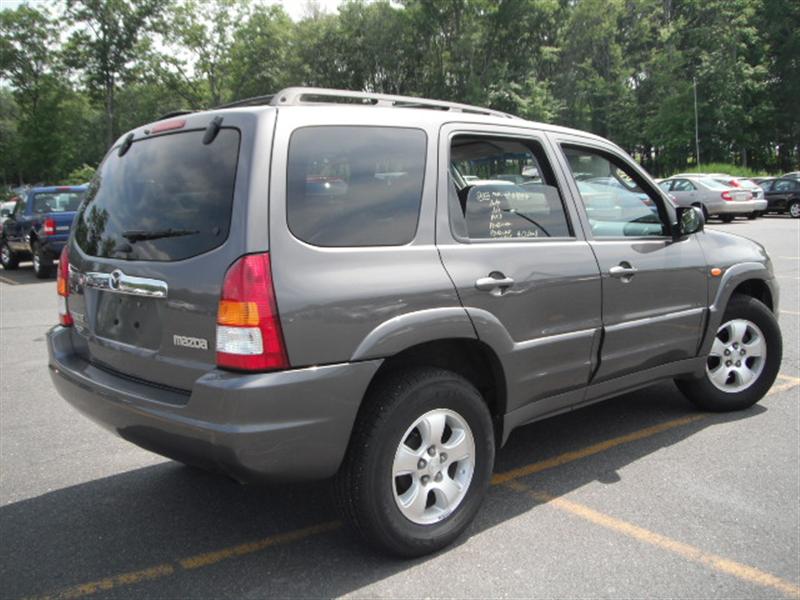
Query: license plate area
{"x": 128, "y": 319}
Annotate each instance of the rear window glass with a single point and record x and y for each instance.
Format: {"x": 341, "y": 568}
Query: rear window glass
{"x": 167, "y": 198}
{"x": 355, "y": 186}
{"x": 51, "y": 202}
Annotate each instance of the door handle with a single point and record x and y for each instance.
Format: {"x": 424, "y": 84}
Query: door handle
{"x": 495, "y": 282}
{"x": 622, "y": 271}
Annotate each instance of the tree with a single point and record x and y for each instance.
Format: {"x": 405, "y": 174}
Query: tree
{"x": 106, "y": 42}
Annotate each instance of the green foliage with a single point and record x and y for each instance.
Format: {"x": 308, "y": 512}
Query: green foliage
{"x": 728, "y": 169}
{"x": 624, "y": 69}
{"x": 82, "y": 174}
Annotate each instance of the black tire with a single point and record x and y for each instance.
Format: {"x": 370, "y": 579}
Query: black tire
{"x": 8, "y": 258}
{"x": 707, "y": 396}
{"x": 726, "y": 218}
{"x": 365, "y": 488}
{"x": 42, "y": 264}
{"x": 753, "y": 216}
{"x": 794, "y": 209}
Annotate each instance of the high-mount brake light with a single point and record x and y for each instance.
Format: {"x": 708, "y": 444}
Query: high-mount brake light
{"x": 62, "y": 286}
{"x": 249, "y": 336}
{"x": 49, "y": 227}
{"x": 168, "y": 125}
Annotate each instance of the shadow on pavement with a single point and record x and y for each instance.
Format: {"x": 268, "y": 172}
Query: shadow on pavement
{"x": 22, "y": 276}
{"x": 166, "y": 512}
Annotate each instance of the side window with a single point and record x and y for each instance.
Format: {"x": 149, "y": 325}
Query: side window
{"x": 683, "y": 185}
{"x": 617, "y": 202}
{"x": 505, "y": 189}
{"x": 355, "y": 186}
{"x": 784, "y": 185}
{"x": 766, "y": 185}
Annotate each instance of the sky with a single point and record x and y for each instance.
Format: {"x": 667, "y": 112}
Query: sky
{"x": 294, "y": 8}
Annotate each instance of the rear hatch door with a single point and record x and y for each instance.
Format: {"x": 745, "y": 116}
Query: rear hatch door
{"x": 160, "y": 226}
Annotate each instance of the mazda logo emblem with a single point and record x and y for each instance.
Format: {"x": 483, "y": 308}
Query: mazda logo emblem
{"x": 113, "y": 281}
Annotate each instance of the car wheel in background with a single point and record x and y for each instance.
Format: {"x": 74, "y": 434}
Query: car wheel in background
{"x": 8, "y": 259}
{"x": 42, "y": 264}
{"x": 419, "y": 461}
{"x": 794, "y": 209}
{"x": 753, "y": 216}
{"x": 744, "y": 359}
{"x": 726, "y": 218}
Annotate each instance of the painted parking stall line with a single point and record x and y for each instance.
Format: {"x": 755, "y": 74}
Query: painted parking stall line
{"x": 509, "y": 479}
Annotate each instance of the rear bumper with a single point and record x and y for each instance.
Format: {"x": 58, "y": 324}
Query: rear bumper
{"x": 52, "y": 248}
{"x": 288, "y": 425}
{"x": 740, "y": 208}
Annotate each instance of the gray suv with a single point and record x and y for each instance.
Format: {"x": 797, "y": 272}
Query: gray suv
{"x": 380, "y": 288}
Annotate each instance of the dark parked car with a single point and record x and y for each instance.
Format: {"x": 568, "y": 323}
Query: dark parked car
{"x": 223, "y": 306}
{"x": 783, "y": 195}
{"x": 39, "y": 227}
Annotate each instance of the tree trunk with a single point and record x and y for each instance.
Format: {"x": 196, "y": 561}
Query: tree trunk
{"x": 109, "y": 112}
{"x": 744, "y": 157}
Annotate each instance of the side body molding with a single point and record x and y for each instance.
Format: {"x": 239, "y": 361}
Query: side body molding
{"x": 410, "y": 329}
{"x": 732, "y": 277}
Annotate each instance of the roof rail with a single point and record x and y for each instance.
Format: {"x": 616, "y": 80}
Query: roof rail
{"x": 309, "y": 96}
{"x": 295, "y": 96}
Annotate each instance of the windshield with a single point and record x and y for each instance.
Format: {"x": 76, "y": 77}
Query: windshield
{"x": 167, "y": 198}
{"x": 52, "y": 202}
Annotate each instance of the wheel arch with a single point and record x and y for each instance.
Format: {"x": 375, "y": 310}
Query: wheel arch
{"x": 470, "y": 358}
{"x": 749, "y": 278}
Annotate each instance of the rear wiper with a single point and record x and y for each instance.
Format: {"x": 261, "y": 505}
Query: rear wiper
{"x": 137, "y": 235}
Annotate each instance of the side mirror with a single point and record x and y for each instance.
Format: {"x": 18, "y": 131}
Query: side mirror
{"x": 690, "y": 220}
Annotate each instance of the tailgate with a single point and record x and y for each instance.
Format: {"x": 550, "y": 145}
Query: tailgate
{"x": 150, "y": 249}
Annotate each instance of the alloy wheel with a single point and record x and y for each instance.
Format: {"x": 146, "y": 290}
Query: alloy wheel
{"x": 433, "y": 466}
{"x": 737, "y": 356}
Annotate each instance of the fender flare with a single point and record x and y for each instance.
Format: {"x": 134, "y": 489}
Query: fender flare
{"x": 731, "y": 279}
{"x": 413, "y": 328}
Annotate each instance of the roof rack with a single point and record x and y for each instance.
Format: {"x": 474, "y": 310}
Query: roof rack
{"x": 308, "y": 96}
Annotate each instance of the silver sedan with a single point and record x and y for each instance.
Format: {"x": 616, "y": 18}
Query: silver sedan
{"x": 715, "y": 198}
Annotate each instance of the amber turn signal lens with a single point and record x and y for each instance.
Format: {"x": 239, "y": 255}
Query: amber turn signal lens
{"x": 241, "y": 314}
{"x": 716, "y": 272}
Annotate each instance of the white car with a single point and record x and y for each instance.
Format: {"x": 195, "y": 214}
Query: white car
{"x": 715, "y": 198}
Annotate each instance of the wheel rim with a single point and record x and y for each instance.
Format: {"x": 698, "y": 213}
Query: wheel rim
{"x": 737, "y": 356}
{"x": 794, "y": 209}
{"x": 37, "y": 263}
{"x": 5, "y": 254}
{"x": 433, "y": 466}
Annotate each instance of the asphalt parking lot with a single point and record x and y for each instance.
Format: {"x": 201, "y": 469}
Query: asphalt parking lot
{"x": 641, "y": 496}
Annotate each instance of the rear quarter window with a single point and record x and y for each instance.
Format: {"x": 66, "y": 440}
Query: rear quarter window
{"x": 355, "y": 186}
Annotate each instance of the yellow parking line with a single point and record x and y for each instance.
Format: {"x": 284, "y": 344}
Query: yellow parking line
{"x": 569, "y": 457}
{"x": 189, "y": 563}
{"x": 715, "y": 562}
{"x": 108, "y": 583}
{"x": 508, "y": 478}
{"x": 8, "y": 281}
{"x": 790, "y": 312}
{"x": 209, "y": 558}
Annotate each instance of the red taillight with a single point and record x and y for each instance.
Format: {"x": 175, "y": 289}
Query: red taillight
{"x": 726, "y": 196}
{"x": 62, "y": 285}
{"x": 168, "y": 125}
{"x": 49, "y": 227}
{"x": 249, "y": 336}
{"x": 734, "y": 183}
